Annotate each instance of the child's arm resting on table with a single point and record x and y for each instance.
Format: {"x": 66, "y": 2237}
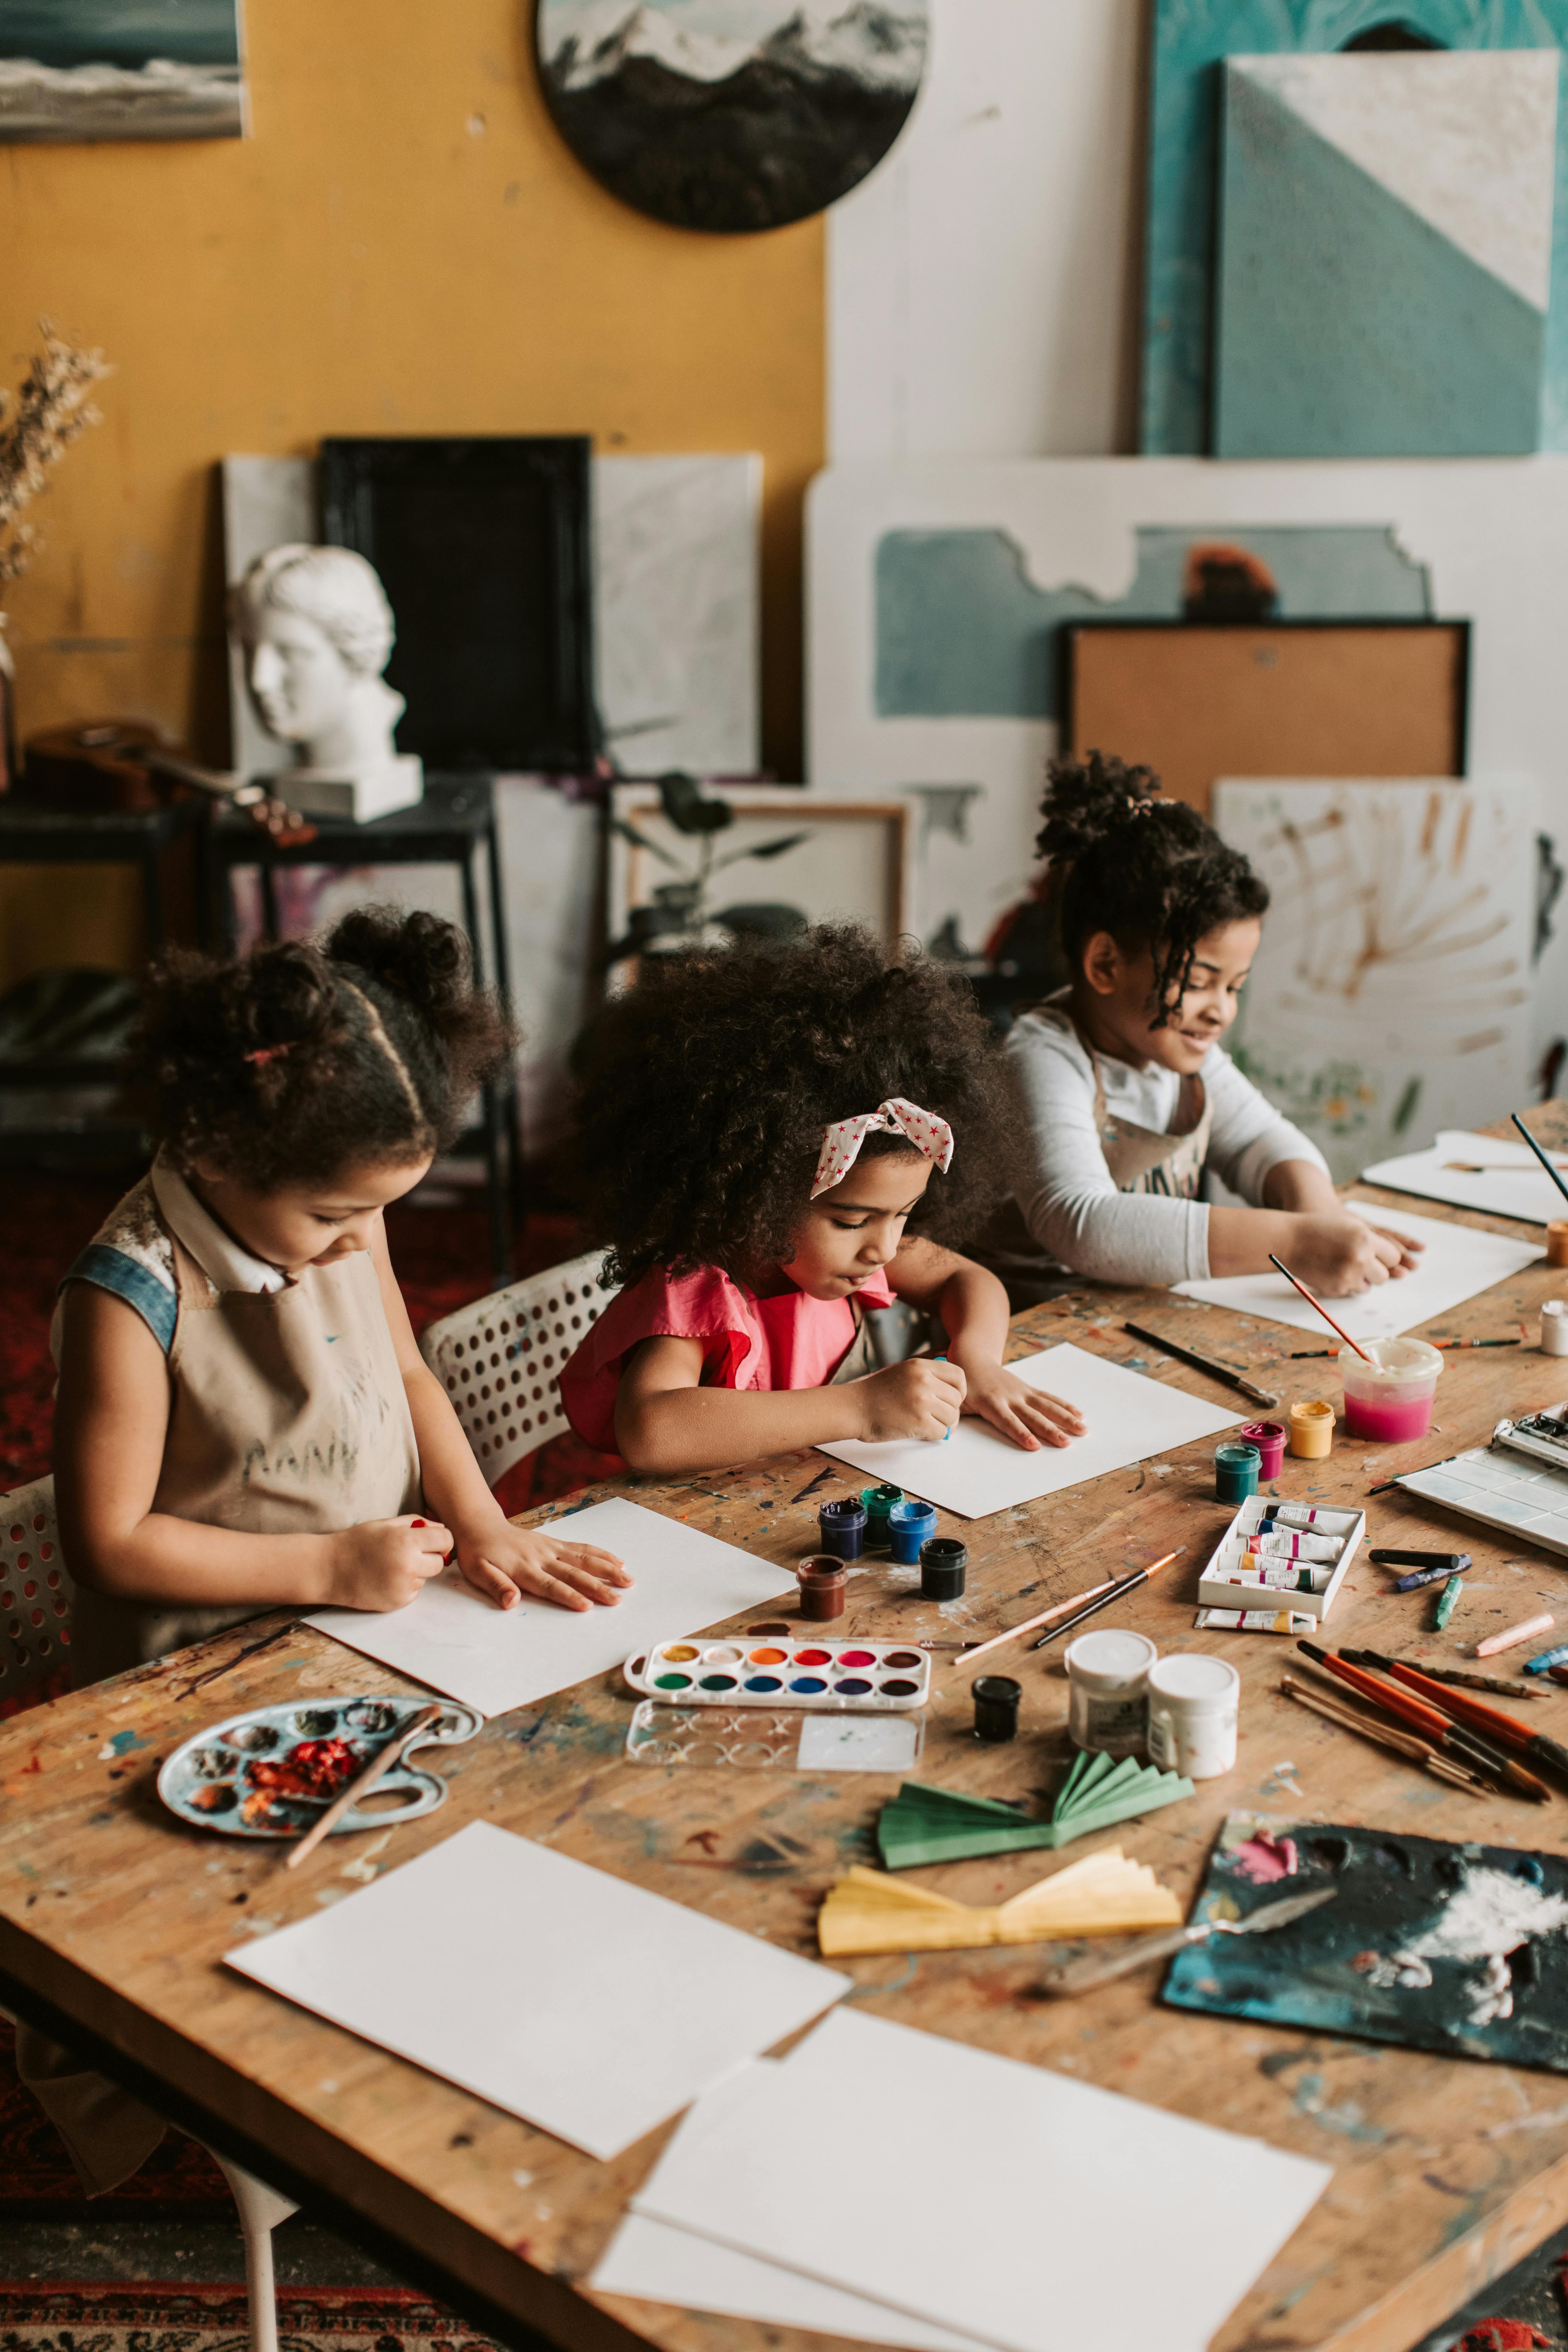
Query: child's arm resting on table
{"x": 501, "y": 1561}
{"x": 665, "y": 1420}
{"x": 110, "y": 1420}
{"x": 973, "y": 1307}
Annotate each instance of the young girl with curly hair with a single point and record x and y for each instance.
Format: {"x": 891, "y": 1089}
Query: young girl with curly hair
{"x": 1124, "y": 1093}
{"x": 774, "y": 1139}
{"x": 244, "y": 1417}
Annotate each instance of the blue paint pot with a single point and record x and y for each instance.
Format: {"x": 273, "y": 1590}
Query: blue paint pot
{"x": 843, "y": 1524}
{"x": 910, "y": 1525}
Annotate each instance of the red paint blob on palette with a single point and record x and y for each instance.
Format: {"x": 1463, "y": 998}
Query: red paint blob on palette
{"x": 856, "y": 1657}
{"x": 811, "y": 1657}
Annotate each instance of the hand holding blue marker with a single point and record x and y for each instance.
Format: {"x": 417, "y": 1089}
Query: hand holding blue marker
{"x": 946, "y": 1433}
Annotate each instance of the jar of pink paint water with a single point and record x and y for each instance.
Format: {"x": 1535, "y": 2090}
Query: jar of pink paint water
{"x": 1390, "y": 1399}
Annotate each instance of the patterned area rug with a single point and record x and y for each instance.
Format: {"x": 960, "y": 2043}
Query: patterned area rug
{"x": 176, "y": 2318}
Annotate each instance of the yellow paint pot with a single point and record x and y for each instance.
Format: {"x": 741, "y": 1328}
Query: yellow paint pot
{"x": 1312, "y": 1429}
{"x": 1557, "y": 1242}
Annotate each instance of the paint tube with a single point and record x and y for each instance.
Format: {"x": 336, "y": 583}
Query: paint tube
{"x": 1294, "y": 1546}
{"x": 1302, "y": 1515}
{"x": 1253, "y": 1620}
{"x": 1286, "y": 1574}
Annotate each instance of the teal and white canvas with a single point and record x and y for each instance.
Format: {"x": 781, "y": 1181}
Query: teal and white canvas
{"x": 1385, "y": 254}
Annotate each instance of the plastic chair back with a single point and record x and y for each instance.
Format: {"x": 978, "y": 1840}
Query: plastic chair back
{"x": 36, "y": 1593}
{"x": 500, "y": 1359}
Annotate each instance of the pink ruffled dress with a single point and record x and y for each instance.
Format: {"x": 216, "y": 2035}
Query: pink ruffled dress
{"x": 788, "y": 1343}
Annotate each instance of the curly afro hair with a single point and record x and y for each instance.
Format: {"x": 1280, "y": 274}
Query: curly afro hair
{"x": 1125, "y": 859}
{"x": 294, "y": 1063}
{"x": 705, "y": 1090}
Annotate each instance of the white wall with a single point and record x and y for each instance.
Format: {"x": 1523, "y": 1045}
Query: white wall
{"x": 982, "y": 285}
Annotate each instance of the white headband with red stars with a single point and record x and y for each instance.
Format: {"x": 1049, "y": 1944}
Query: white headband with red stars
{"x": 841, "y": 1143}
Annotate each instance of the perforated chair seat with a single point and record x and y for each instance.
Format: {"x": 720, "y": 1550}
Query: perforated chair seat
{"x": 37, "y": 1596}
{"x": 500, "y": 1359}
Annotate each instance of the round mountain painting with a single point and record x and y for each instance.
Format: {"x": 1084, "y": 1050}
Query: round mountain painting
{"x": 730, "y": 114}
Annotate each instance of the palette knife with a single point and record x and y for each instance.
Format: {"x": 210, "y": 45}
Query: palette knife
{"x": 1097, "y": 1969}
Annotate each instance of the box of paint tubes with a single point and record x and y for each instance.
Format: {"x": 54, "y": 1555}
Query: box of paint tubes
{"x": 1281, "y": 1558}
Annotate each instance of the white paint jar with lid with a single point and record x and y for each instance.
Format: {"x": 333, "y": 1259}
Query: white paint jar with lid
{"x": 1194, "y": 1706}
{"x": 1107, "y": 1673}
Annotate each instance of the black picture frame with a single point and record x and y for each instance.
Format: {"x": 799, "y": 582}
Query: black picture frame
{"x": 484, "y": 546}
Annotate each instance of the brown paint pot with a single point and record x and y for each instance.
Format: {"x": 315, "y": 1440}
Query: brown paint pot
{"x": 1557, "y": 1242}
{"x": 824, "y": 1581}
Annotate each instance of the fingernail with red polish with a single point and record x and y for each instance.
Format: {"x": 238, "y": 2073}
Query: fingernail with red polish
{"x": 421, "y": 1523}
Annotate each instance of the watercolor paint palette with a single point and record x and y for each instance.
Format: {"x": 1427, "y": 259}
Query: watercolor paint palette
{"x": 267, "y": 1773}
{"x": 1326, "y": 1548}
{"x": 1516, "y": 1494}
{"x": 751, "y": 1740}
{"x": 1457, "y": 1948}
{"x": 784, "y": 1670}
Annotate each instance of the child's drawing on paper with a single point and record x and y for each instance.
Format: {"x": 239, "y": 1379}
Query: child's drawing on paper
{"x": 1391, "y": 993}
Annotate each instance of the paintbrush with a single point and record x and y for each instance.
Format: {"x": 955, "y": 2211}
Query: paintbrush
{"x": 1227, "y": 1377}
{"x": 390, "y": 1751}
{"x": 1384, "y": 1735}
{"x": 1467, "y": 1681}
{"x": 1321, "y": 1309}
{"x": 1104, "y": 1600}
{"x": 1539, "y": 1153}
{"x": 1465, "y": 1748}
{"x": 974, "y": 1649}
{"x": 1474, "y": 1712}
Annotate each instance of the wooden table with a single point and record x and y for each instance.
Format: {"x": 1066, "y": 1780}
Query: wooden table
{"x": 114, "y": 1918}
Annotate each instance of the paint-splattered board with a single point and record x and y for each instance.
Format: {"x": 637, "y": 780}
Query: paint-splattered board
{"x": 118, "y": 1916}
{"x": 1429, "y": 1943}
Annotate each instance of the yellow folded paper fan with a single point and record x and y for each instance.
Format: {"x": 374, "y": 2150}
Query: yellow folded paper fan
{"x": 1103, "y": 1894}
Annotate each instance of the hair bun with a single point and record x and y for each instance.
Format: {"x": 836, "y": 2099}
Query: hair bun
{"x": 1090, "y": 799}
{"x": 419, "y": 957}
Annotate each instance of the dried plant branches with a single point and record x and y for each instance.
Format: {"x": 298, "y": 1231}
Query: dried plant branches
{"x": 37, "y": 426}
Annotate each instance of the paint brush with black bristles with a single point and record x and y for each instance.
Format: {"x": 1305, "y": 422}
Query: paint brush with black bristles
{"x": 1434, "y": 1723}
{"x": 1473, "y": 1713}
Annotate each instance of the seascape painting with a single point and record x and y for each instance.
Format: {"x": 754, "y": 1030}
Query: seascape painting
{"x": 731, "y": 115}
{"x": 74, "y": 71}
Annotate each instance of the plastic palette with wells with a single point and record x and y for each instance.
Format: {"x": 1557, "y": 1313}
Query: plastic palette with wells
{"x": 211, "y": 1781}
{"x": 844, "y": 1677}
{"x": 752, "y": 1739}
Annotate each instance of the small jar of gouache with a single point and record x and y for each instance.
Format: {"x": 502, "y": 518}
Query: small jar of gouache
{"x": 879, "y": 1502}
{"x": 1269, "y": 1437}
{"x": 1312, "y": 1429}
{"x": 910, "y": 1525}
{"x": 945, "y": 1568}
{"x": 843, "y": 1524}
{"x": 823, "y": 1583}
{"x": 996, "y": 1700}
{"x": 1236, "y": 1467}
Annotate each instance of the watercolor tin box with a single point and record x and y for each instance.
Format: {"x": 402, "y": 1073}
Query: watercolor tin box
{"x": 267, "y": 1773}
{"x": 1287, "y": 1560}
{"x": 844, "y": 1677}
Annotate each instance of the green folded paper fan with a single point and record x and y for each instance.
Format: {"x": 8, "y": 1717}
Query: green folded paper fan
{"x": 925, "y": 1824}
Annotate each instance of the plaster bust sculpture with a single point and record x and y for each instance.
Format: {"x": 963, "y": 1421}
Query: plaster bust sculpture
{"x": 316, "y": 632}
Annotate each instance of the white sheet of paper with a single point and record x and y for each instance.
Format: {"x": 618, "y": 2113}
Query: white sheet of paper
{"x": 977, "y": 1471}
{"x": 650, "y": 2259}
{"x": 1459, "y": 1262}
{"x": 1045, "y": 2184}
{"x": 587, "y": 2006}
{"x": 1513, "y": 1183}
{"x": 496, "y": 1659}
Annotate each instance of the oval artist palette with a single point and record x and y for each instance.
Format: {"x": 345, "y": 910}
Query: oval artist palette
{"x": 782, "y": 1671}
{"x": 267, "y": 1773}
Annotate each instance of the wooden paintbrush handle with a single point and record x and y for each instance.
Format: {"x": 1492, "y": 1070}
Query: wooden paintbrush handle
{"x": 1101, "y": 1967}
{"x": 391, "y": 1751}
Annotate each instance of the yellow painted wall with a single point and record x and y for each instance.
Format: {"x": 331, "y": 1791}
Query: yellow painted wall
{"x": 404, "y": 245}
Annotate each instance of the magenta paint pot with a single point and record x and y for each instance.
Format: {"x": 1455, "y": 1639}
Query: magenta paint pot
{"x": 1269, "y": 1437}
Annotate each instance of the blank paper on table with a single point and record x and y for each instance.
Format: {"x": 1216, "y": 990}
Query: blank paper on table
{"x": 587, "y": 2006}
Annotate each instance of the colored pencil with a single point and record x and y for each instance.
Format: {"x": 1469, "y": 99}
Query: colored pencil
{"x": 1473, "y": 1712}
{"x": 1539, "y": 1153}
{"x": 1090, "y": 1609}
{"x": 1463, "y": 1680}
{"x": 1322, "y": 1310}
{"x": 390, "y": 1751}
{"x": 1465, "y": 1748}
{"x": 1094, "y": 1592}
{"x": 1384, "y": 1735}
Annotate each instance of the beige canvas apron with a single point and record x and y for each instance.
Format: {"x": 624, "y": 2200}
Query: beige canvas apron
{"x": 288, "y": 1416}
{"x": 1137, "y": 1159}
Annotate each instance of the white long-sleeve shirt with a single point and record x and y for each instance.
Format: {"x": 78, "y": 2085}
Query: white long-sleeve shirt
{"x": 1065, "y": 1193}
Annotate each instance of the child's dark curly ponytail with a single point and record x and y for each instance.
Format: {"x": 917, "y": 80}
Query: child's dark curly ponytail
{"x": 292, "y": 1064}
{"x": 1125, "y": 859}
